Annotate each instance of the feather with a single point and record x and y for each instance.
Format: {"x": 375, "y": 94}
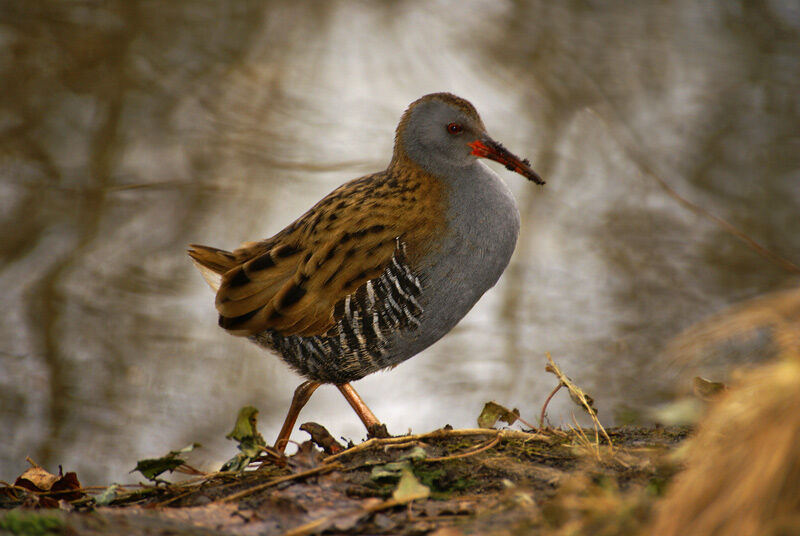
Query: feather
{"x": 291, "y": 283}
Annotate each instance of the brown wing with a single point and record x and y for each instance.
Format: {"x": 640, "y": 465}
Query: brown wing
{"x": 290, "y": 283}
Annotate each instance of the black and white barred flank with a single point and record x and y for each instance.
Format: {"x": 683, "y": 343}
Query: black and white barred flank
{"x": 357, "y": 344}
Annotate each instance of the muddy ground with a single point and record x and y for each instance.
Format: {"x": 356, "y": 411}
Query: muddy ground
{"x": 446, "y": 483}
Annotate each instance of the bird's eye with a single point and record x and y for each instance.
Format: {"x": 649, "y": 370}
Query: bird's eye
{"x": 454, "y": 128}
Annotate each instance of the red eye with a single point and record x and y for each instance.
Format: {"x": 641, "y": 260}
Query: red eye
{"x": 454, "y": 128}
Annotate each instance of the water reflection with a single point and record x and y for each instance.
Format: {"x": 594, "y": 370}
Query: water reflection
{"x": 130, "y": 129}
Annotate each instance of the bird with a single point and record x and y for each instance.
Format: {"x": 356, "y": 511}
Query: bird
{"x": 383, "y": 266}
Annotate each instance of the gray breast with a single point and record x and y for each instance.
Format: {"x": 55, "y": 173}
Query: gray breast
{"x": 467, "y": 260}
{"x": 393, "y": 317}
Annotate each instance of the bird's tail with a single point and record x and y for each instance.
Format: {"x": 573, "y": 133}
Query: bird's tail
{"x": 212, "y": 263}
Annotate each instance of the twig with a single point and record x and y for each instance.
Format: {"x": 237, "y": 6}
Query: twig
{"x": 526, "y": 423}
{"x": 175, "y": 498}
{"x": 486, "y": 446}
{"x": 204, "y": 478}
{"x": 438, "y": 434}
{"x": 403, "y": 445}
{"x": 314, "y": 526}
{"x": 187, "y": 469}
{"x": 546, "y": 402}
{"x": 577, "y": 394}
{"x": 234, "y": 482}
{"x": 317, "y": 470}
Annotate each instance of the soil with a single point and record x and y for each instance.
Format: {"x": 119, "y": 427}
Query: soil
{"x": 445, "y": 483}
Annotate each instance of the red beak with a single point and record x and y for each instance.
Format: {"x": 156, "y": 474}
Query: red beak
{"x": 488, "y": 148}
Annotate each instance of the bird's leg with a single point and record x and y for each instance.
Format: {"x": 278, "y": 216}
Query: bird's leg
{"x": 373, "y": 425}
{"x": 300, "y": 399}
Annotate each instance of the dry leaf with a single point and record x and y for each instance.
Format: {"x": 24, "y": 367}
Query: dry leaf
{"x": 39, "y": 480}
{"x": 493, "y": 412}
{"x": 576, "y": 394}
{"x": 36, "y": 479}
{"x": 322, "y": 437}
{"x": 706, "y": 389}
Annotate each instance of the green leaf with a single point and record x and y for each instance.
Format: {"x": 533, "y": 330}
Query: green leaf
{"x": 237, "y": 463}
{"x": 245, "y": 427}
{"x": 391, "y": 470}
{"x": 415, "y": 454}
{"x": 108, "y": 496}
{"x": 152, "y": 467}
{"x": 409, "y": 488}
{"x": 394, "y": 470}
{"x": 251, "y": 443}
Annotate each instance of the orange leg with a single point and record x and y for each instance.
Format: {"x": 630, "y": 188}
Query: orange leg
{"x": 300, "y": 399}
{"x": 373, "y": 425}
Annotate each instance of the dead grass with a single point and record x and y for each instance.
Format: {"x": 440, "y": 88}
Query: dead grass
{"x": 743, "y": 468}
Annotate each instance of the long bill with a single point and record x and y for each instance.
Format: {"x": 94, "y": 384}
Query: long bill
{"x": 488, "y": 148}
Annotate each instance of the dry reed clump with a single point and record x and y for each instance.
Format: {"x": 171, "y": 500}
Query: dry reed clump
{"x": 749, "y": 333}
{"x": 743, "y": 467}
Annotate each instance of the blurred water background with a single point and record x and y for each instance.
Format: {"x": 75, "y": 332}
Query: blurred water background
{"x": 131, "y": 128}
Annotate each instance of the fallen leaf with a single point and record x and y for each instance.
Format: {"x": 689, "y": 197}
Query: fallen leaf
{"x": 345, "y": 521}
{"x": 152, "y": 467}
{"x": 391, "y": 470}
{"x": 108, "y": 496}
{"x": 237, "y": 463}
{"x": 323, "y": 438}
{"x": 578, "y": 398}
{"x": 706, "y": 389}
{"x": 39, "y": 480}
{"x": 576, "y": 394}
{"x": 67, "y": 487}
{"x": 246, "y": 425}
{"x": 415, "y": 454}
{"x": 251, "y": 443}
{"x": 308, "y": 456}
{"x": 36, "y": 479}
{"x": 409, "y": 488}
{"x": 493, "y": 412}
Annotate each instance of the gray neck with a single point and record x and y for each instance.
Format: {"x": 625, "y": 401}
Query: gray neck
{"x": 482, "y": 212}
{"x": 449, "y": 170}
{"x": 425, "y": 142}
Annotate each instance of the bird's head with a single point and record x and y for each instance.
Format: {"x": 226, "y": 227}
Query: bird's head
{"x": 442, "y": 133}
